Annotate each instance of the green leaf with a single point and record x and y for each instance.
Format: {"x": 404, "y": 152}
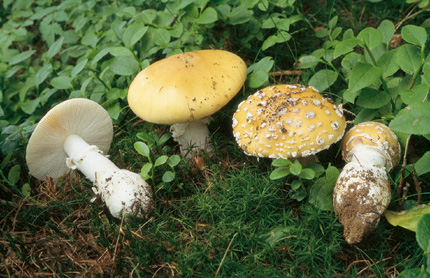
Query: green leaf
{"x": 275, "y": 235}
{"x": 208, "y": 16}
{"x": 363, "y": 75}
{"x": 408, "y": 58}
{"x": 162, "y": 37}
{"x": 414, "y": 34}
{"x": 124, "y": 65}
{"x": 164, "y": 138}
{"x": 345, "y": 46}
{"x": 371, "y": 37}
{"x": 279, "y": 173}
{"x": 407, "y": 219}
{"x": 331, "y": 175}
{"x": 161, "y": 160}
{"x": 168, "y": 176}
{"x": 417, "y": 94}
{"x": 296, "y": 168}
{"x": 144, "y": 171}
{"x": 323, "y": 79}
{"x": 426, "y": 74}
{"x": 413, "y": 273}
{"x": 142, "y": 148}
{"x": 422, "y": 166}
{"x": 423, "y": 232}
{"x": 42, "y": 74}
{"x": 21, "y": 57}
{"x": 365, "y": 115}
{"x": 264, "y": 64}
{"x": 307, "y": 174}
{"x": 133, "y": 33}
{"x": 269, "y": 42}
{"x": 279, "y": 162}
{"x": 14, "y": 173}
{"x": 257, "y": 78}
{"x": 296, "y": 184}
{"x": 26, "y": 190}
{"x": 308, "y": 62}
{"x": 388, "y": 62}
{"x": 61, "y": 82}
{"x": 55, "y": 47}
{"x": 321, "y": 195}
{"x": 372, "y": 99}
{"x": 119, "y": 51}
{"x": 332, "y": 23}
{"x": 413, "y": 120}
{"x": 78, "y": 68}
{"x": 387, "y": 30}
{"x": 174, "y": 160}
{"x": 29, "y": 106}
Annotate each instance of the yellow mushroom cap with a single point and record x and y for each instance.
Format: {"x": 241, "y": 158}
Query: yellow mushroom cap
{"x": 376, "y": 135}
{"x": 186, "y": 87}
{"x": 287, "y": 121}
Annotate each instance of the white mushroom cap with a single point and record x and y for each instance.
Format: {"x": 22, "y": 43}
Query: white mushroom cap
{"x": 287, "y": 121}
{"x": 186, "y": 87}
{"x": 83, "y": 117}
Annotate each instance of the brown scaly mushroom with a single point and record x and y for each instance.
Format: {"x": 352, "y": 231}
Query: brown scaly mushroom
{"x": 362, "y": 191}
{"x": 287, "y": 121}
{"x": 74, "y": 135}
{"x": 184, "y": 90}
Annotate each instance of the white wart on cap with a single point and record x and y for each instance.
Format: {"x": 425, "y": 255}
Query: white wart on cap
{"x": 287, "y": 121}
{"x": 186, "y": 88}
{"x": 75, "y": 134}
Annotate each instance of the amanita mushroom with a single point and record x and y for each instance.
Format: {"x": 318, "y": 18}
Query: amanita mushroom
{"x": 287, "y": 121}
{"x": 74, "y": 135}
{"x": 362, "y": 191}
{"x": 183, "y": 90}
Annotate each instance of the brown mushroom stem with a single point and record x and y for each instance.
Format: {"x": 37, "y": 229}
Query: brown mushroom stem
{"x": 192, "y": 136}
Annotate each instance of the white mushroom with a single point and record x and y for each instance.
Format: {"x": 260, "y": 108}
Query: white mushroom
{"x": 75, "y": 134}
{"x": 183, "y": 90}
{"x": 362, "y": 191}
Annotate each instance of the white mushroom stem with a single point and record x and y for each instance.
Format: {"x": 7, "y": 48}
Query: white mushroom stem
{"x": 192, "y": 136}
{"x": 121, "y": 190}
{"x": 362, "y": 192}
{"x": 367, "y": 155}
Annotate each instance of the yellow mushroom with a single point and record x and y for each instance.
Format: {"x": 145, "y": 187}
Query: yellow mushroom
{"x": 287, "y": 121}
{"x": 183, "y": 90}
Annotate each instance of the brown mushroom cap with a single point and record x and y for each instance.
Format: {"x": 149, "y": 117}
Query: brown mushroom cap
{"x": 376, "y": 135}
{"x": 287, "y": 121}
{"x": 186, "y": 87}
{"x": 45, "y": 154}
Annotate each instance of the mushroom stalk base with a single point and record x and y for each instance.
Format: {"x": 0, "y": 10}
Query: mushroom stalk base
{"x": 361, "y": 195}
{"x": 122, "y": 191}
{"x": 192, "y": 136}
